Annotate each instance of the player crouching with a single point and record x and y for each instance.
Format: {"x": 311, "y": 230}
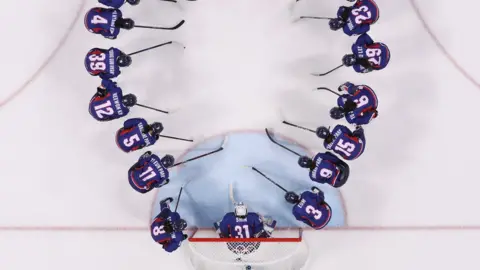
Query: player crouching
{"x": 150, "y": 172}
{"x": 107, "y": 22}
{"x": 167, "y": 227}
{"x": 136, "y": 134}
{"x": 109, "y": 103}
{"x": 367, "y": 55}
{"x": 242, "y": 224}
{"x": 310, "y": 208}
{"x": 358, "y": 105}
{"x": 349, "y": 145}
{"x": 118, "y": 3}
{"x": 326, "y": 168}
{"x": 106, "y": 63}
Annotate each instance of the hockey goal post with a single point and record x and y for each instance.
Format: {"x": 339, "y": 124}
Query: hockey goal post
{"x": 285, "y": 250}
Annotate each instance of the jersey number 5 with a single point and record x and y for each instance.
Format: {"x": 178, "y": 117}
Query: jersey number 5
{"x": 311, "y": 210}
{"x": 239, "y": 229}
{"x": 104, "y": 109}
{"x": 158, "y": 230}
{"x": 346, "y": 148}
{"x": 128, "y": 142}
{"x": 359, "y": 17}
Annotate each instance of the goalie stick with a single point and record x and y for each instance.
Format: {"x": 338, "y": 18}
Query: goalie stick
{"x": 204, "y": 155}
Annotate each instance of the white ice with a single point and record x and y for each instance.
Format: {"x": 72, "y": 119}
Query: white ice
{"x": 412, "y": 196}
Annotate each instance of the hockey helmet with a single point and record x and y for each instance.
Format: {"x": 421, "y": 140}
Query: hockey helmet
{"x": 336, "y": 24}
{"x": 322, "y": 132}
{"x": 156, "y": 128}
{"x": 305, "y": 162}
{"x": 167, "y": 161}
{"x": 133, "y": 2}
{"x": 241, "y": 210}
{"x": 336, "y": 113}
{"x": 124, "y": 60}
{"x": 129, "y": 100}
{"x": 291, "y": 197}
{"x": 179, "y": 225}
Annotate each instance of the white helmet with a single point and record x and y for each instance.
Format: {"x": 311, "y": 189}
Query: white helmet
{"x": 241, "y": 210}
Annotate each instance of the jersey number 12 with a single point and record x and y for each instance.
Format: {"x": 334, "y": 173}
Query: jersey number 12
{"x": 104, "y": 109}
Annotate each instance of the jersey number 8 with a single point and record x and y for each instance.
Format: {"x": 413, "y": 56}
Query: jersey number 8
{"x": 158, "y": 230}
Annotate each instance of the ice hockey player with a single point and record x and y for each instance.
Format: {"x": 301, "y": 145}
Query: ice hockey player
{"x": 109, "y": 103}
{"x": 358, "y": 105}
{"x": 136, "y": 134}
{"x": 150, "y": 172}
{"x": 349, "y": 145}
{"x": 107, "y": 22}
{"x": 242, "y": 224}
{"x": 367, "y": 55}
{"x": 167, "y": 227}
{"x": 118, "y": 3}
{"x": 310, "y": 208}
{"x": 356, "y": 20}
{"x": 106, "y": 63}
{"x": 326, "y": 168}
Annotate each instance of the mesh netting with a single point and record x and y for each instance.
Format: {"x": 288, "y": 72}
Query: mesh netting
{"x": 284, "y": 251}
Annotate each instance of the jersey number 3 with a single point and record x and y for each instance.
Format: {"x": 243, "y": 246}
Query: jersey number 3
{"x": 311, "y": 210}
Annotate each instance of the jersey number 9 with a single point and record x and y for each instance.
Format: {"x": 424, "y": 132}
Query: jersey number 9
{"x": 361, "y": 101}
{"x": 326, "y": 173}
{"x": 311, "y": 210}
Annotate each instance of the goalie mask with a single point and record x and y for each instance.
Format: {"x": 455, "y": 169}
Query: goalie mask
{"x": 240, "y": 210}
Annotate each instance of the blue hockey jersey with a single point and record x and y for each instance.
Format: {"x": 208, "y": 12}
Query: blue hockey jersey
{"x": 249, "y": 227}
{"x": 103, "y": 63}
{"x": 112, "y": 3}
{"x": 169, "y": 241}
{"x": 312, "y": 210}
{"x": 362, "y": 14}
{"x": 133, "y": 135}
{"x": 325, "y": 170}
{"x": 366, "y": 100}
{"x": 376, "y": 53}
{"x": 101, "y": 21}
{"x": 147, "y": 174}
{"x": 109, "y": 106}
{"x": 349, "y": 145}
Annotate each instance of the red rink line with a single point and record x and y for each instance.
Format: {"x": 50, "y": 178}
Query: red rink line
{"x": 440, "y": 45}
{"x": 47, "y": 61}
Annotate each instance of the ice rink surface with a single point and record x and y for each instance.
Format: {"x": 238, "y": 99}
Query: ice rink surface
{"x": 411, "y": 199}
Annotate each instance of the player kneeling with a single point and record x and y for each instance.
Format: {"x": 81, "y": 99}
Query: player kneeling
{"x": 106, "y": 22}
{"x": 367, "y": 55}
{"x": 326, "y": 168}
{"x": 310, "y": 208}
{"x": 167, "y": 227}
{"x": 150, "y": 172}
{"x": 242, "y": 224}
{"x": 109, "y": 103}
{"x": 118, "y": 3}
{"x": 136, "y": 134}
{"x": 356, "y": 20}
{"x": 358, "y": 105}
{"x": 106, "y": 63}
{"x": 349, "y": 145}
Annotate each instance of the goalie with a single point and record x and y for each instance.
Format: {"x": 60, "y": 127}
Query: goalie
{"x": 242, "y": 224}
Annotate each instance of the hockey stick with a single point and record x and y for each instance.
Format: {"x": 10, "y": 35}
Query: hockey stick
{"x": 178, "y": 199}
{"x": 151, "y": 108}
{"x": 328, "y": 72}
{"x": 281, "y": 145}
{"x": 156, "y": 46}
{"x": 175, "y": 138}
{"x": 317, "y": 18}
{"x": 327, "y": 89}
{"x": 204, "y": 155}
{"x": 162, "y": 28}
{"x": 230, "y": 193}
{"x": 266, "y": 177}
{"x": 300, "y": 127}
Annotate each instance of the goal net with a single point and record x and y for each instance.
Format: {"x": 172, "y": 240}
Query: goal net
{"x": 285, "y": 250}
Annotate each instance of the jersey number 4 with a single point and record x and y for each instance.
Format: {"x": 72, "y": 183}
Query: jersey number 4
{"x": 97, "y": 19}
{"x": 345, "y": 147}
{"x": 239, "y": 229}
